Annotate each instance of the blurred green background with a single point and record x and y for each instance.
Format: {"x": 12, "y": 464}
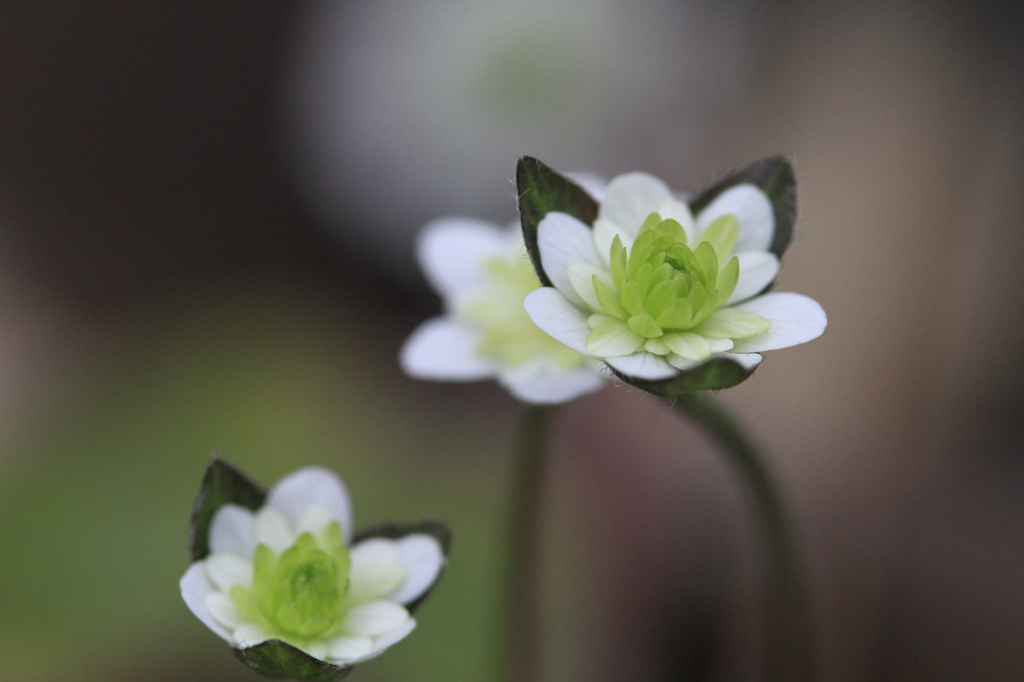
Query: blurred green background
{"x": 96, "y": 495}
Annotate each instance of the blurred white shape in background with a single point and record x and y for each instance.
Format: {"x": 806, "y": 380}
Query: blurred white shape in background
{"x": 402, "y": 111}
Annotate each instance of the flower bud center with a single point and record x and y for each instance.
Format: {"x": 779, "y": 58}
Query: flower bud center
{"x": 661, "y": 285}
{"x": 301, "y": 592}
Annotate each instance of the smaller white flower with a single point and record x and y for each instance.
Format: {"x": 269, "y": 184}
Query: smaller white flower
{"x": 286, "y": 573}
{"x": 672, "y": 301}
{"x": 483, "y": 274}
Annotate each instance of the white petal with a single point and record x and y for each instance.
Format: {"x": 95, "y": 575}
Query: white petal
{"x": 314, "y": 520}
{"x": 605, "y": 232}
{"x": 377, "y": 570}
{"x": 452, "y": 252}
{"x": 441, "y": 349}
{"x": 558, "y": 318}
{"x": 374, "y": 619}
{"x": 249, "y": 634}
{"x": 227, "y": 570}
{"x": 423, "y": 559}
{"x": 232, "y": 531}
{"x": 593, "y": 184}
{"x": 380, "y": 644}
{"x": 343, "y": 649}
{"x": 581, "y": 277}
{"x": 306, "y": 487}
{"x": 758, "y": 269}
{"x": 223, "y": 610}
{"x": 752, "y": 209}
{"x": 630, "y": 198}
{"x": 795, "y": 319}
{"x": 564, "y": 240}
{"x": 544, "y": 383}
{"x": 680, "y": 212}
{"x": 643, "y": 365}
{"x": 748, "y": 360}
{"x": 195, "y": 588}
{"x": 273, "y": 529}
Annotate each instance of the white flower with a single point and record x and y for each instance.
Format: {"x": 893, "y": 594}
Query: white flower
{"x": 658, "y": 293}
{"x": 483, "y": 274}
{"x": 285, "y": 573}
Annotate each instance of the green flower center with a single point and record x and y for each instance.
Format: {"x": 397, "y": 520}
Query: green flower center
{"x": 299, "y": 594}
{"x": 509, "y": 336}
{"x": 664, "y": 292}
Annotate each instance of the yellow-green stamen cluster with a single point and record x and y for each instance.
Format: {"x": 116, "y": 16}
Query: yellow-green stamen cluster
{"x": 509, "y": 335}
{"x": 664, "y": 296}
{"x": 300, "y": 594}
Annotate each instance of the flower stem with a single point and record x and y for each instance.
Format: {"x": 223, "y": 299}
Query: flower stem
{"x": 788, "y": 641}
{"x": 522, "y": 580}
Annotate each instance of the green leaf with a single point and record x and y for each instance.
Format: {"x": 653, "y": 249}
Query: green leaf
{"x": 222, "y": 484}
{"x": 278, "y": 659}
{"x": 395, "y": 531}
{"x": 775, "y": 177}
{"x": 542, "y": 190}
{"x": 712, "y": 375}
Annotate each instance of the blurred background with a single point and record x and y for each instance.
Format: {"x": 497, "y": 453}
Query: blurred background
{"x": 206, "y": 223}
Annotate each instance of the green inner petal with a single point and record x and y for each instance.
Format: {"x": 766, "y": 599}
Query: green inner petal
{"x": 669, "y": 295}
{"x": 300, "y": 594}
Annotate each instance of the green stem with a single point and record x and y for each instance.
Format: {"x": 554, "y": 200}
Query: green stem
{"x": 788, "y": 641}
{"x": 522, "y": 578}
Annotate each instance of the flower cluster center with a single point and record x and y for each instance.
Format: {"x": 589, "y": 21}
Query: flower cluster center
{"x": 300, "y": 592}
{"x": 509, "y": 336}
{"x": 664, "y": 296}
{"x": 662, "y": 285}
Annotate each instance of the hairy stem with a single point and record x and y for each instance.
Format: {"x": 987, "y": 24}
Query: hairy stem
{"x": 789, "y": 640}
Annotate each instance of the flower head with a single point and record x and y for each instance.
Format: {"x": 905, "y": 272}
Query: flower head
{"x": 669, "y": 294}
{"x": 276, "y": 577}
{"x": 483, "y": 275}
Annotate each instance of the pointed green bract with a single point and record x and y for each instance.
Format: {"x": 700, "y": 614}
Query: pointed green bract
{"x": 774, "y": 176}
{"x": 541, "y": 191}
{"x": 222, "y": 484}
{"x": 278, "y": 659}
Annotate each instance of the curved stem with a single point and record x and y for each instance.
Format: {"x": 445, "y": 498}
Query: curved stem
{"x": 788, "y": 641}
{"x": 522, "y": 583}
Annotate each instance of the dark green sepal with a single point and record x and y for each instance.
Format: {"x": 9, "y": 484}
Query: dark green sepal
{"x": 713, "y": 375}
{"x": 222, "y": 484}
{"x": 542, "y": 190}
{"x": 278, "y": 659}
{"x": 396, "y": 531}
{"x": 775, "y": 177}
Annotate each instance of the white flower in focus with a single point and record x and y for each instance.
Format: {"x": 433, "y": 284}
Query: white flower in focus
{"x": 657, "y": 292}
{"x": 483, "y": 274}
{"x": 285, "y": 573}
